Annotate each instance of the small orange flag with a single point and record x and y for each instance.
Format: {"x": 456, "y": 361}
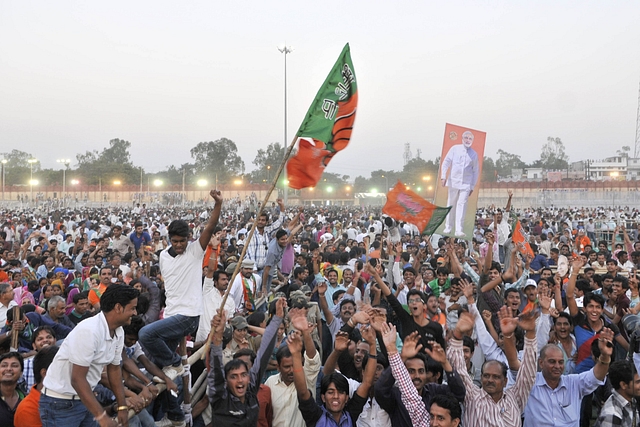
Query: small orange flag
{"x": 519, "y": 240}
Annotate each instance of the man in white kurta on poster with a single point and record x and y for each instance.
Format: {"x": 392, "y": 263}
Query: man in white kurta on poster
{"x": 459, "y": 173}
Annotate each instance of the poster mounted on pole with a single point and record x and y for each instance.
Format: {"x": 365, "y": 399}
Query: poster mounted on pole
{"x": 459, "y": 178}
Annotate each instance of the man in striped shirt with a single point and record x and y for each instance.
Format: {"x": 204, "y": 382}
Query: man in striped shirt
{"x": 492, "y": 405}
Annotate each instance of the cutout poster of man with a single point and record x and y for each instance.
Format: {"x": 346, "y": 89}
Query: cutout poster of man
{"x": 458, "y": 178}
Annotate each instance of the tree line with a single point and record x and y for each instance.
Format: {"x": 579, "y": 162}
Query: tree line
{"x": 219, "y": 161}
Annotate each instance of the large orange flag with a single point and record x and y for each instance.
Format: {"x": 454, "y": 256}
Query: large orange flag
{"x": 405, "y": 205}
{"x": 327, "y": 127}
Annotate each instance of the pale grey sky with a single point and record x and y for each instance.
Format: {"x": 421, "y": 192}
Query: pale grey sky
{"x": 167, "y": 75}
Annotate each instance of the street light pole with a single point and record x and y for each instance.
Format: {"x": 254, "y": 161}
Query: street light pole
{"x": 31, "y": 162}
{"x": 286, "y": 50}
{"x": 66, "y": 163}
{"x": 4, "y": 164}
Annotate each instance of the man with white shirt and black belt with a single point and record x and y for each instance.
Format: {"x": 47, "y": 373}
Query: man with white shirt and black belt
{"x": 67, "y": 395}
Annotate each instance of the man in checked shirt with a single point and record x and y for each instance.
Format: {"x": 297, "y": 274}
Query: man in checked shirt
{"x": 492, "y": 405}
{"x": 259, "y": 244}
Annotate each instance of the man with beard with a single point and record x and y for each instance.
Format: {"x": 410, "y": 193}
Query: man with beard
{"x": 245, "y": 286}
{"x": 215, "y": 284}
{"x": 416, "y": 363}
{"x": 284, "y": 398}
{"x": 463, "y": 163}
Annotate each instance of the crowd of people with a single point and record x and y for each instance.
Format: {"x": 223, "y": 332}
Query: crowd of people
{"x": 317, "y": 316}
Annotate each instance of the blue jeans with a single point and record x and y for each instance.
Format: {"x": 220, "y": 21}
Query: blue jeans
{"x": 143, "y": 419}
{"x": 56, "y": 412}
{"x": 161, "y": 338}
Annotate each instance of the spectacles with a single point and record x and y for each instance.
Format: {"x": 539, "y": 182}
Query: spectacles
{"x": 412, "y": 300}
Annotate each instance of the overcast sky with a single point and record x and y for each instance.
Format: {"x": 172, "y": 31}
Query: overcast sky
{"x": 167, "y": 75}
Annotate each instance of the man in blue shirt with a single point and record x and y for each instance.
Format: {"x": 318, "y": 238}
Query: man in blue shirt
{"x": 555, "y": 398}
{"x": 139, "y": 237}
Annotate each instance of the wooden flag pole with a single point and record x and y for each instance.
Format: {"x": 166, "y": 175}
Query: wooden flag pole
{"x": 15, "y": 335}
{"x": 249, "y": 237}
{"x": 186, "y": 386}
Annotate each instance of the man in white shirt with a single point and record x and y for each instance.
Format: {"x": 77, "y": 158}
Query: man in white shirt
{"x": 181, "y": 267}
{"x": 245, "y": 286}
{"x": 463, "y": 163}
{"x": 67, "y": 397}
{"x": 215, "y": 284}
{"x": 6, "y": 301}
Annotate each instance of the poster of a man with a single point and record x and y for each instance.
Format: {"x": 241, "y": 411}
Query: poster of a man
{"x": 460, "y": 170}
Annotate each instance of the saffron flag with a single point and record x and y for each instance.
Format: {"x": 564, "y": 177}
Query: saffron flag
{"x": 405, "y": 205}
{"x": 518, "y": 237}
{"x": 327, "y": 127}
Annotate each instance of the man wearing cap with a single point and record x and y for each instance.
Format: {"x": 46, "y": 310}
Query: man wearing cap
{"x": 239, "y": 328}
{"x": 531, "y": 292}
{"x": 245, "y": 286}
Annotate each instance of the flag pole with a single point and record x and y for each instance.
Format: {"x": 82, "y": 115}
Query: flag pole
{"x": 250, "y": 236}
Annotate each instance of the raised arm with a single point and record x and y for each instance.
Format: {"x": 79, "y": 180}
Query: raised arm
{"x": 206, "y": 234}
{"x": 507, "y": 208}
{"x": 409, "y": 394}
{"x": 341, "y": 343}
{"x": 294, "y": 342}
{"x": 268, "y": 343}
{"x": 322, "y": 301}
{"x": 576, "y": 264}
{"x": 369, "y": 336}
{"x": 215, "y": 378}
{"x": 508, "y": 326}
{"x": 605, "y": 344}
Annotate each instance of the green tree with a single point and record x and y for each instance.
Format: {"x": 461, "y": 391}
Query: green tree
{"x": 112, "y": 163}
{"x": 553, "y": 156}
{"x": 419, "y": 172}
{"x": 267, "y": 162}
{"x": 507, "y": 162}
{"x": 218, "y": 157}
{"x": 17, "y": 168}
{"x": 489, "y": 170}
{"x": 173, "y": 175}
